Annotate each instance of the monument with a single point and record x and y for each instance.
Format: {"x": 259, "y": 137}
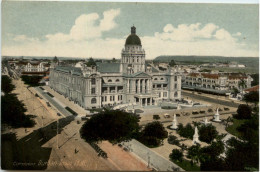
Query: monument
{"x": 174, "y": 123}
{"x": 196, "y": 137}
{"x": 205, "y": 121}
{"x": 216, "y": 117}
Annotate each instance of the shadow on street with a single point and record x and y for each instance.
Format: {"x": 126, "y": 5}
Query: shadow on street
{"x": 28, "y": 153}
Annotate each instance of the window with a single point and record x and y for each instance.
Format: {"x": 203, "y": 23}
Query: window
{"x": 109, "y": 80}
{"x": 159, "y": 94}
{"x": 117, "y": 80}
{"x": 155, "y": 79}
{"x": 93, "y": 90}
{"x": 175, "y": 78}
{"x": 175, "y": 86}
{"x": 164, "y": 94}
{"x": 93, "y": 81}
{"x": 93, "y": 100}
{"x": 161, "y": 78}
{"x": 176, "y": 94}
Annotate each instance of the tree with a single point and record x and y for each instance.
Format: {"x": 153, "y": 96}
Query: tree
{"x": 235, "y": 91}
{"x": 7, "y": 86}
{"x": 242, "y": 83}
{"x": 172, "y": 63}
{"x": 113, "y": 60}
{"x": 153, "y": 134}
{"x": 173, "y": 140}
{"x": 243, "y": 112}
{"x": 55, "y": 59}
{"x": 176, "y": 155}
{"x": 112, "y": 125}
{"x": 252, "y": 97}
{"x": 207, "y": 133}
{"x": 249, "y": 129}
{"x": 186, "y": 131}
{"x": 13, "y": 112}
{"x": 91, "y": 62}
{"x": 194, "y": 153}
{"x": 32, "y": 81}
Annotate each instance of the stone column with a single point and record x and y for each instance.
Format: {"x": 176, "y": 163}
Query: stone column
{"x": 116, "y": 90}
{"x": 108, "y": 89}
{"x": 143, "y": 86}
{"x": 148, "y": 86}
{"x": 127, "y": 86}
{"x": 138, "y": 86}
{"x": 133, "y": 86}
{"x": 145, "y": 101}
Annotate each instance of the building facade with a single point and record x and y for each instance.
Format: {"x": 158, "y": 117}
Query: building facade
{"x": 218, "y": 81}
{"x": 131, "y": 81}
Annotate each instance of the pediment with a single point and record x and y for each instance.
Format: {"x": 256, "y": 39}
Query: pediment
{"x": 141, "y": 75}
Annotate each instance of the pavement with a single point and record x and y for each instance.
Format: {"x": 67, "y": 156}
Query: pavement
{"x": 211, "y": 99}
{"x": 153, "y": 159}
{"x": 58, "y": 106}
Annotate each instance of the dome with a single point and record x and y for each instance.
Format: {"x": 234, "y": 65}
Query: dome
{"x": 133, "y": 39}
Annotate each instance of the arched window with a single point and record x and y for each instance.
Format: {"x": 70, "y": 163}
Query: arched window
{"x": 161, "y": 78}
{"x": 93, "y": 100}
{"x": 109, "y": 80}
{"x": 117, "y": 80}
{"x": 155, "y": 79}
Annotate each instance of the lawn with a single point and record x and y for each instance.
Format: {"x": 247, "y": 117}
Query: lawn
{"x": 187, "y": 166}
{"x": 232, "y": 129}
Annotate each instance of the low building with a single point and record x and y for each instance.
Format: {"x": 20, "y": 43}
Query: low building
{"x": 224, "y": 82}
{"x": 131, "y": 81}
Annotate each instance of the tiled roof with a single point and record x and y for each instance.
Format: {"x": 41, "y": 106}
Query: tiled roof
{"x": 108, "y": 67}
{"x": 194, "y": 74}
{"x": 209, "y": 75}
{"x": 254, "y": 88}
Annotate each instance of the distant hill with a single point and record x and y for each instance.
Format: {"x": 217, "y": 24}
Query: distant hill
{"x": 204, "y": 59}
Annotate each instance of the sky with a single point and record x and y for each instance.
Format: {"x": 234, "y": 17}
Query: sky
{"x": 99, "y": 29}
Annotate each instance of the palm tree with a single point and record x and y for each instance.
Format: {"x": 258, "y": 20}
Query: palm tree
{"x": 242, "y": 83}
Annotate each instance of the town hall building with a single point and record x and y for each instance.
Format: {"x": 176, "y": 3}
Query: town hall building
{"x": 131, "y": 81}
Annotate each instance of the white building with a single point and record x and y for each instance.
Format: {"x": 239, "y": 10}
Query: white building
{"x": 218, "y": 81}
{"x": 130, "y": 81}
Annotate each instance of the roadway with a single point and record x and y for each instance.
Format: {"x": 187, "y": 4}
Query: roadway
{"x": 53, "y": 102}
{"x": 211, "y": 99}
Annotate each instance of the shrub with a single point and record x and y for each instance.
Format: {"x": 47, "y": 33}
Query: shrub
{"x": 173, "y": 140}
{"x": 186, "y": 131}
{"x": 156, "y": 117}
{"x": 153, "y": 134}
{"x": 176, "y": 155}
{"x": 207, "y": 133}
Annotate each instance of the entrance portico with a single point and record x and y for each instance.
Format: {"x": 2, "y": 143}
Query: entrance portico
{"x": 145, "y": 100}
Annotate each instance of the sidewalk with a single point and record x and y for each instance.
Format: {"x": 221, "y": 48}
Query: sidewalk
{"x": 65, "y": 102}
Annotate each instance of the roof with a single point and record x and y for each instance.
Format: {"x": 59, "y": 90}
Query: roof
{"x": 254, "y": 88}
{"x": 108, "y": 67}
{"x": 194, "y": 74}
{"x": 140, "y": 74}
{"x": 67, "y": 69}
{"x": 133, "y": 39}
{"x": 237, "y": 76}
{"x": 209, "y": 75}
